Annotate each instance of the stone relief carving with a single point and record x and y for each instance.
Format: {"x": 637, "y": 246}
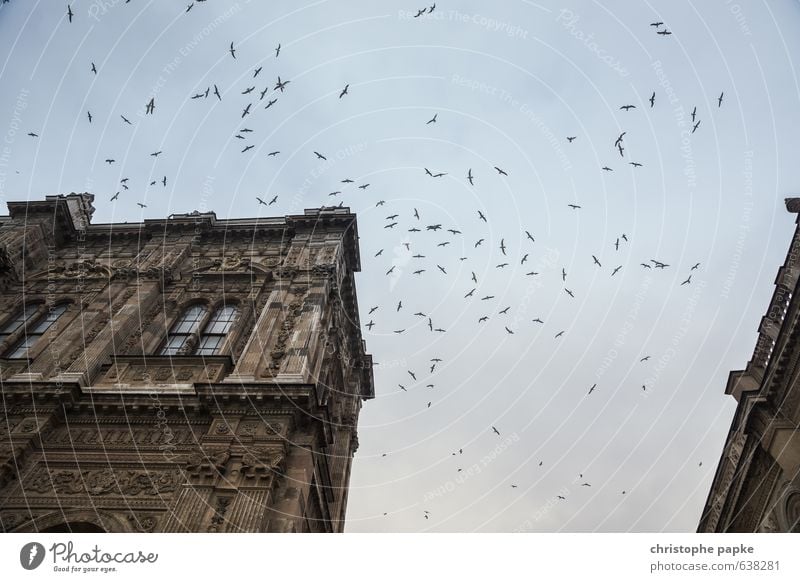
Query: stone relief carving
{"x": 87, "y": 268}
{"x": 105, "y": 481}
{"x": 287, "y": 327}
{"x": 207, "y": 462}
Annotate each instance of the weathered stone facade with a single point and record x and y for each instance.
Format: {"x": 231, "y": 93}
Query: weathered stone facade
{"x": 757, "y": 484}
{"x": 99, "y": 432}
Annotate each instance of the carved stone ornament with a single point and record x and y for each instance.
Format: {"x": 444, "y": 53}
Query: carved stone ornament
{"x": 207, "y": 462}
{"x": 98, "y": 482}
{"x": 261, "y": 459}
{"x": 88, "y": 268}
{"x": 230, "y": 263}
{"x": 146, "y": 523}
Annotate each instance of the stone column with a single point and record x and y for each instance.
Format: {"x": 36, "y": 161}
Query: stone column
{"x": 122, "y": 323}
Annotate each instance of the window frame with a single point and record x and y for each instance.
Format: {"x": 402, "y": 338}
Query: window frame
{"x": 200, "y": 331}
{"x": 30, "y": 330}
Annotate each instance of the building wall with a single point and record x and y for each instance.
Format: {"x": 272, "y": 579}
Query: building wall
{"x": 100, "y": 431}
{"x": 757, "y": 484}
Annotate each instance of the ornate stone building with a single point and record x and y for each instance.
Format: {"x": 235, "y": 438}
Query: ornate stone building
{"x": 757, "y": 484}
{"x": 184, "y": 374}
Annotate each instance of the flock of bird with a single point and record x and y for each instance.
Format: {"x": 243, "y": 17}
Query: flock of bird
{"x": 259, "y": 93}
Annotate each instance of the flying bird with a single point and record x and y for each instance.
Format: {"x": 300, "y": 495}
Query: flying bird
{"x": 500, "y": 171}
{"x": 344, "y": 91}
{"x": 232, "y": 51}
{"x": 151, "y": 106}
{"x": 70, "y": 14}
{"x": 653, "y": 99}
{"x": 432, "y": 119}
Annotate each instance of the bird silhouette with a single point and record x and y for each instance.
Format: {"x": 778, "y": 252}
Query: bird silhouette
{"x": 344, "y": 91}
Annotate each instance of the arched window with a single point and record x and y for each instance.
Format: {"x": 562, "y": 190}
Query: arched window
{"x": 183, "y": 329}
{"x": 215, "y": 330}
{"x": 197, "y": 333}
{"x": 32, "y": 331}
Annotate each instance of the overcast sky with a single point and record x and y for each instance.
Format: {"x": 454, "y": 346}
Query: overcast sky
{"x": 508, "y": 82}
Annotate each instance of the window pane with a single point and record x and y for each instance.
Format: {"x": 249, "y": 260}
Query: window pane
{"x": 190, "y": 320}
{"x": 209, "y": 345}
{"x": 221, "y": 321}
{"x": 21, "y": 349}
{"x": 21, "y": 317}
{"x": 36, "y": 331}
{"x": 174, "y": 344}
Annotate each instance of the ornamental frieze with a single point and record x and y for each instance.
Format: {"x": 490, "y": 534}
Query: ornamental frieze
{"x": 99, "y": 482}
